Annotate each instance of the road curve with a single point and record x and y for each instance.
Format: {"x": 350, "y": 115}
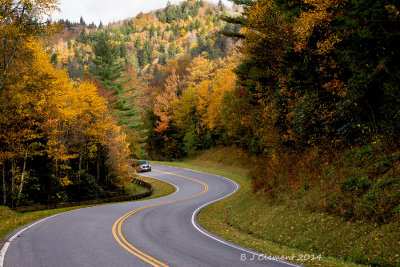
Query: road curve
{"x": 155, "y": 232}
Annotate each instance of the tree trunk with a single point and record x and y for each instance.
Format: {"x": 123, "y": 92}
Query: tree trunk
{"x": 80, "y": 166}
{"x": 7, "y": 60}
{"x": 13, "y": 163}
{"x": 56, "y": 171}
{"x": 4, "y": 185}
{"x": 98, "y": 166}
{"x": 22, "y": 177}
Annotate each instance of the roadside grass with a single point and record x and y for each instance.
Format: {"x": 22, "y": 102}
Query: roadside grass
{"x": 283, "y": 229}
{"x": 160, "y": 188}
{"x": 134, "y": 189}
{"x": 11, "y": 220}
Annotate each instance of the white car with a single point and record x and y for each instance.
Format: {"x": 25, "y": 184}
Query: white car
{"x": 144, "y": 166}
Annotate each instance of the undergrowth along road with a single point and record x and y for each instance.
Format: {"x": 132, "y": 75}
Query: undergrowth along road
{"x": 282, "y": 229}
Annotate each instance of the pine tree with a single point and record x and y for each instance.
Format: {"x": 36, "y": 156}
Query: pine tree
{"x": 221, "y": 5}
{"x": 152, "y": 30}
{"x": 82, "y": 22}
{"x": 54, "y": 58}
{"x": 82, "y": 38}
{"x": 138, "y": 42}
{"x": 109, "y": 69}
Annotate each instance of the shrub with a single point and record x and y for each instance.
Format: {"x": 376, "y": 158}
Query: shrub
{"x": 85, "y": 189}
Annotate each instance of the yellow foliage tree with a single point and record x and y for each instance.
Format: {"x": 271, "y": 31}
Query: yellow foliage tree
{"x": 164, "y": 101}
{"x": 211, "y": 96}
{"x": 44, "y": 113}
{"x": 200, "y": 69}
{"x": 200, "y": 106}
{"x": 319, "y": 14}
{"x": 19, "y": 22}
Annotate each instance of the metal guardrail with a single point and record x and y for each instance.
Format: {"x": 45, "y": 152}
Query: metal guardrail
{"x": 90, "y": 202}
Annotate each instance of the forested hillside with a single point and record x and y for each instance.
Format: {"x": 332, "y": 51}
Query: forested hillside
{"x": 149, "y": 40}
{"x": 58, "y": 139}
{"x": 78, "y": 99}
{"x": 173, "y": 47}
{"x": 318, "y": 98}
{"x": 309, "y": 89}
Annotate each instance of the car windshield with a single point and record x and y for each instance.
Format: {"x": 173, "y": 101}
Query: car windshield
{"x": 141, "y": 162}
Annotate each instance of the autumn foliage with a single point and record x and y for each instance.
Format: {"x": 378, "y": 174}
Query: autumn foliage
{"x": 58, "y": 141}
{"x": 310, "y": 90}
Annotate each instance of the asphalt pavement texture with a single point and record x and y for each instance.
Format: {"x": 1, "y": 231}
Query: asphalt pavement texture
{"x": 168, "y": 232}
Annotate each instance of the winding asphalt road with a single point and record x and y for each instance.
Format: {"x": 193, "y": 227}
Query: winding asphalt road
{"x": 155, "y": 232}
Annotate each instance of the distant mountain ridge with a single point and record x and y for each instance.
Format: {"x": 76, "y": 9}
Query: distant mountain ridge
{"x": 148, "y": 39}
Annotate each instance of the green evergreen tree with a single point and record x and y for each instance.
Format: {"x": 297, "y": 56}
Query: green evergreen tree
{"x": 173, "y": 49}
{"x": 197, "y": 23}
{"x": 152, "y": 30}
{"x": 161, "y": 48}
{"x": 158, "y": 30}
{"x": 191, "y": 26}
{"x": 82, "y": 38}
{"x": 133, "y": 28}
{"x": 54, "y": 58}
{"x": 143, "y": 57}
{"x": 138, "y": 42}
{"x": 162, "y": 60}
{"x": 147, "y": 47}
{"x": 108, "y": 68}
{"x": 82, "y": 22}
{"x": 123, "y": 50}
{"x": 221, "y": 5}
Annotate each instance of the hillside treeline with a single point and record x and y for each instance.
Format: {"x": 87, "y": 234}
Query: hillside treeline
{"x": 149, "y": 40}
{"x": 312, "y": 92}
{"x": 149, "y": 49}
{"x": 72, "y": 94}
{"x": 58, "y": 139}
{"x": 318, "y": 90}
{"x": 310, "y": 88}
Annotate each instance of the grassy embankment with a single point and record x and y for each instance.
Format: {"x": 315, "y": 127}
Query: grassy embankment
{"x": 284, "y": 228}
{"x": 11, "y": 220}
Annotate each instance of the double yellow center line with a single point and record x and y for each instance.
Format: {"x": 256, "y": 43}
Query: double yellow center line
{"x": 117, "y": 227}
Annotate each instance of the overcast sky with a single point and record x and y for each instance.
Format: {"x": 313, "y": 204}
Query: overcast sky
{"x": 109, "y": 10}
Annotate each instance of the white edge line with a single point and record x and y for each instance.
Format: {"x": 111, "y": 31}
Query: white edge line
{"x": 194, "y": 220}
{"x": 8, "y": 242}
{"x": 176, "y": 187}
